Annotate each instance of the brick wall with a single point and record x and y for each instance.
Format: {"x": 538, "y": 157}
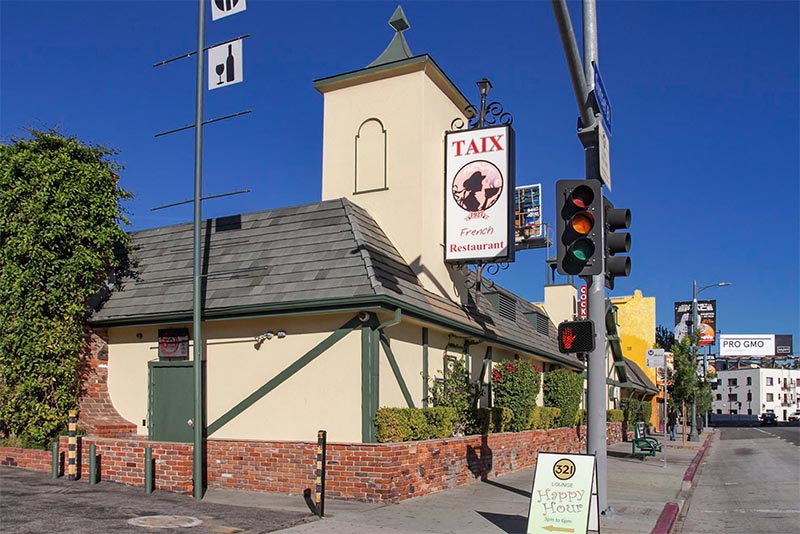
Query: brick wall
{"x": 35, "y": 460}
{"x": 96, "y": 412}
{"x": 382, "y": 472}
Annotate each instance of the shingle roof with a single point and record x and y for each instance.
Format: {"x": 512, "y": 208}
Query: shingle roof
{"x": 309, "y": 256}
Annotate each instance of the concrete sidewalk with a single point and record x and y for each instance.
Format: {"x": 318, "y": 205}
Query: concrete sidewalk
{"x": 637, "y": 494}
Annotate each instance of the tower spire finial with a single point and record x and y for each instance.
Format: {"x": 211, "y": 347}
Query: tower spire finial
{"x": 398, "y": 48}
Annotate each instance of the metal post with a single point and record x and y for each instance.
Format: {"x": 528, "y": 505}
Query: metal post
{"x": 55, "y": 468}
{"x": 72, "y": 449}
{"x": 92, "y": 464}
{"x": 322, "y": 437}
{"x": 693, "y": 436}
{"x": 596, "y": 436}
{"x": 582, "y": 84}
{"x": 666, "y": 410}
{"x": 197, "y": 354}
{"x": 148, "y": 470}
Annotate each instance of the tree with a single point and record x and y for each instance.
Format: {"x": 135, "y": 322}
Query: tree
{"x": 61, "y": 243}
{"x": 665, "y": 337}
{"x": 685, "y": 382}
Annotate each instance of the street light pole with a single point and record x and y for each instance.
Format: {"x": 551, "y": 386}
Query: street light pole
{"x": 693, "y": 436}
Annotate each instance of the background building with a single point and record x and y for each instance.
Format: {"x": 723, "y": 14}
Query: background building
{"x": 755, "y": 390}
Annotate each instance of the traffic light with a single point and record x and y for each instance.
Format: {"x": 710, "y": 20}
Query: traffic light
{"x": 576, "y": 336}
{"x": 616, "y": 242}
{"x": 578, "y": 225}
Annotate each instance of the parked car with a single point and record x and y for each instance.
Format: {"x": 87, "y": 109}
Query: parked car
{"x": 768, "y": 418}
{"x": 794, "y": 416}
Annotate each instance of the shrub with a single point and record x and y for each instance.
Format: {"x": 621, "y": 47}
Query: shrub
{"x": 455, "y": 390}
{"x": 580, "y": 418}
{"x": 493, "y": 420}
{"x": 392, "y": 425}
{"x": 563, "y": 389}
{"x": 441, "y": 421}
{"x": 543, "y": 417}
{"x": 615, "y": 416}
{"x": 515, "y": 385}
{"x": 636, "y": 410}
{"x": 411, "y": 424}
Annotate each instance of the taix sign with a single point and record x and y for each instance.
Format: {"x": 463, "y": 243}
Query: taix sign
{"x": 576, "y": 336}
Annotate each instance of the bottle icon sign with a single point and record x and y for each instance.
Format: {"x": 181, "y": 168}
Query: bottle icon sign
{"x": 230, "y": 69}
{"x": 223, "y": 8}
{"x": 225, "y": 64}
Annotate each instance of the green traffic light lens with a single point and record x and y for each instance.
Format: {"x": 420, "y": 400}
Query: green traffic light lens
{"x": 582, "y": 249}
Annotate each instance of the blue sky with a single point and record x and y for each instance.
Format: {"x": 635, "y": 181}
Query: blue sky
{"x": 705, "y": 148}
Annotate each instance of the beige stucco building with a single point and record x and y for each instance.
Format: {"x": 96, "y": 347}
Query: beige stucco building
{"x": 316, "y": 315}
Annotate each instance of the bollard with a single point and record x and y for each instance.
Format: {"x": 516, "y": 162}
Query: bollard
{"x": 55, "y": 467}
{"x": 92, "y": 464}
{"x": 322, "y": 437}
{"x": 73, "y": 446}
{"x": 148, "y": 470}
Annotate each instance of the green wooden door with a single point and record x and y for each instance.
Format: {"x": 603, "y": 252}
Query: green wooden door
{"x": 171, "y": 401}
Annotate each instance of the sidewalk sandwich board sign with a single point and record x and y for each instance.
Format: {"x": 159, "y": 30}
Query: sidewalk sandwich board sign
{"x": 564, "y": 496}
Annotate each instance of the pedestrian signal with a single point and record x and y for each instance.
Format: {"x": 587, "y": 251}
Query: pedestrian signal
{"x": 576, "y": 336}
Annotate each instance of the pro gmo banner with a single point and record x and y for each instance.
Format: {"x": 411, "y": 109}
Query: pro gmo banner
{"x": 747, "y": 345}
{"x": 479, "y": 169}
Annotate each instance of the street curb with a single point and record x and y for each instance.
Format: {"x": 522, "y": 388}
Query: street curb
{"x": 667, "y": 519}
{"x": 669, "y": 515}
{"x": 691, "y": 471}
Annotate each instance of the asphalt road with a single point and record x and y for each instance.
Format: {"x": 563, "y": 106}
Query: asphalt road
{"x": 750, "y": 483}
{"x": 34, "y": 503}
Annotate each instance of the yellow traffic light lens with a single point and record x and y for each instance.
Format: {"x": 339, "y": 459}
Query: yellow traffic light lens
{"x": 582, "y": 223}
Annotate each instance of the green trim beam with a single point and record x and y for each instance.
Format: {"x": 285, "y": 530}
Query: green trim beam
{"x": 284, "y": 375}
{"x": 396, "y": 370}
{"x": 425, "y": 373}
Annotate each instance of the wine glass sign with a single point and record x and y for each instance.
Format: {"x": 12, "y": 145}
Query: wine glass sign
{"x": 225, "y": 64}
{"x": 223, "y": 8}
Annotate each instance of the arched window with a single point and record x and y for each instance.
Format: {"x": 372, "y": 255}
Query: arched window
{"x": 371, "y": 157}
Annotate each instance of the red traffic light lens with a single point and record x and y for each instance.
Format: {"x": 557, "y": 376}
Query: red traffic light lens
{"x": 582, "y": 196}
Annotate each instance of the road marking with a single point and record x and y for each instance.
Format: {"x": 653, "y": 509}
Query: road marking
{"x": 752, "y": 510}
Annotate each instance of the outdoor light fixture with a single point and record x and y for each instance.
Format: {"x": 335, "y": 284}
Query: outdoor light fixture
{"x": 484, "y": 86}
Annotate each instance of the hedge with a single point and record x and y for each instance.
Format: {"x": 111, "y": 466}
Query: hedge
{"x": 615, "y": 416}
{"x": 411, "y": 424}
{"x": 563, "y": 389}
{"x": 493, "y": 420}
{"x": 543, "y": 417}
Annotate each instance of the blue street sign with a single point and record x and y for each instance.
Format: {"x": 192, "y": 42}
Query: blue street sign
{"x": 602, "y": 98}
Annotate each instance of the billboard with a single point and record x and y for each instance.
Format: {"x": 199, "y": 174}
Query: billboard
{"x": 783, "y": 345}
{"x": 528, "y": 212}
{"x": 706, "y": 318}
{"x": 747, "y": 345}
{"x": 479, "y": 172}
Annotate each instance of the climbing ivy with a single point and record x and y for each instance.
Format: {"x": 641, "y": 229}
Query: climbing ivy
{"x": 61, "y": 244}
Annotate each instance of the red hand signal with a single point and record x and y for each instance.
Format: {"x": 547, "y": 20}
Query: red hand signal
{"x": 567, "y": 338}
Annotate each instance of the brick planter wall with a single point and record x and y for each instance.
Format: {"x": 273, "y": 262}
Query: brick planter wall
{"x": 33, "y": 459}
{"x": 380, "y": 472}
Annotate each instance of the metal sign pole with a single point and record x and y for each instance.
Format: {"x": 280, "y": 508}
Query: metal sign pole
{"x": 198, "y": 466}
